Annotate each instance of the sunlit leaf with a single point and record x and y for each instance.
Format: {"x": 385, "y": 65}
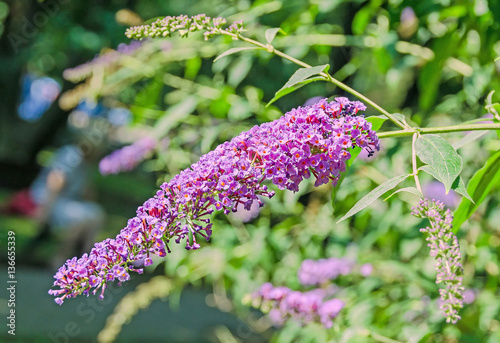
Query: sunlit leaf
{"x": 300, "y": 78}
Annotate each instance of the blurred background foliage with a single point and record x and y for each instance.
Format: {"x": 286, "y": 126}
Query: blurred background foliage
{"x": 430, "y": 60}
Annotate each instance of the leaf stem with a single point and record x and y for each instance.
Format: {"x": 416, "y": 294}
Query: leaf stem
{"x": 327, "y": 76}
{"x": 439, "y": 129}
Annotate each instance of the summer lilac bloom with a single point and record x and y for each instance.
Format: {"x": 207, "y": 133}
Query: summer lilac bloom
{"x": 127, "y": 158}
{"x": 313, "y": 140}
{"x": 183, "y": 24}
{"x": 305, "y": 307}
{"x": 445, "y": 248}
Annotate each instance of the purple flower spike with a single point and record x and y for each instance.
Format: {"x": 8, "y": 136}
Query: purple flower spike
{"x": 307, "y": 141}
{"x": 444, "y": 247}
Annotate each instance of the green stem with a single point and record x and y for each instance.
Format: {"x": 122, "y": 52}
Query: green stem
{"x": 414, "y": 162}
{"x": 442, "y": 129}
{"x": 327, "y": 76}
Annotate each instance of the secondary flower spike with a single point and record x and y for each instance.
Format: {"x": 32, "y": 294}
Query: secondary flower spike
{"x": 312, "y": 140}
{"x": 445, "y": 248}
{"x": 165, "y": 27}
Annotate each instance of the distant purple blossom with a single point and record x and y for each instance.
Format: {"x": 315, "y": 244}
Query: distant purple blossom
{"x": 127, "y": 158}
{"x": 366, "y": 269}
{"x": 408, "y": 16}
{"x": 436, "y": 190}
{"x": 445, "y": 248}
{"x": 246, "y": 216}
{"x": 306, "y": 141}
{"x": 469, "y": 296}
{"x": 104, "y": 60}
{"x": 318, "y": 272}
{"x": 305, "y": 307}
{"x": 316, "y": 305}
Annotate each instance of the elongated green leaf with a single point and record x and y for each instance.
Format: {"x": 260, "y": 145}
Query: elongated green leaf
{"x": 284, "y": 91}
{"x": 235, "y": 50}
{"x": 435, "y": 151}
{"x": 411, "y": 190}
{"x": 300, "y": 78}
{"x": 374, "y": 195}
{"x": 271, "y": 33}
{"x": 468, "y": 138}
{"x": 479, "y": 187}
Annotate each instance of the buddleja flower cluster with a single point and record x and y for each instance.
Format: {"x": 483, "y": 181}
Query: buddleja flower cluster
{"x": 313, "y": 140}
{"x": 316, "y": 305}
{"x": 127, "y": 158}
{"x": 184, "y": 24}
{"x": 445, "y": 248}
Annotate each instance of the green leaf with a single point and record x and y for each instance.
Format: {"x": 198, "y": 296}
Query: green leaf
{"x": 235, "y": 50}
{"x": 300, "y": 78}
{"x": 435, "y": 151}
{"x": 374, "y": 195}
{"x": 411, "y": 190}
{"x": 428, "y": 169}
{"x": 271, "y": 33}
{"x": 459, "y": 187}
{"x": 377, "y": 121}
{"x": 284, "y": 91}
{"x": 479, "y": 187}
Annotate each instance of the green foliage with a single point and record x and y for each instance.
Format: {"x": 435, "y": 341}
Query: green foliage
{"x": 480, "y": 185}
